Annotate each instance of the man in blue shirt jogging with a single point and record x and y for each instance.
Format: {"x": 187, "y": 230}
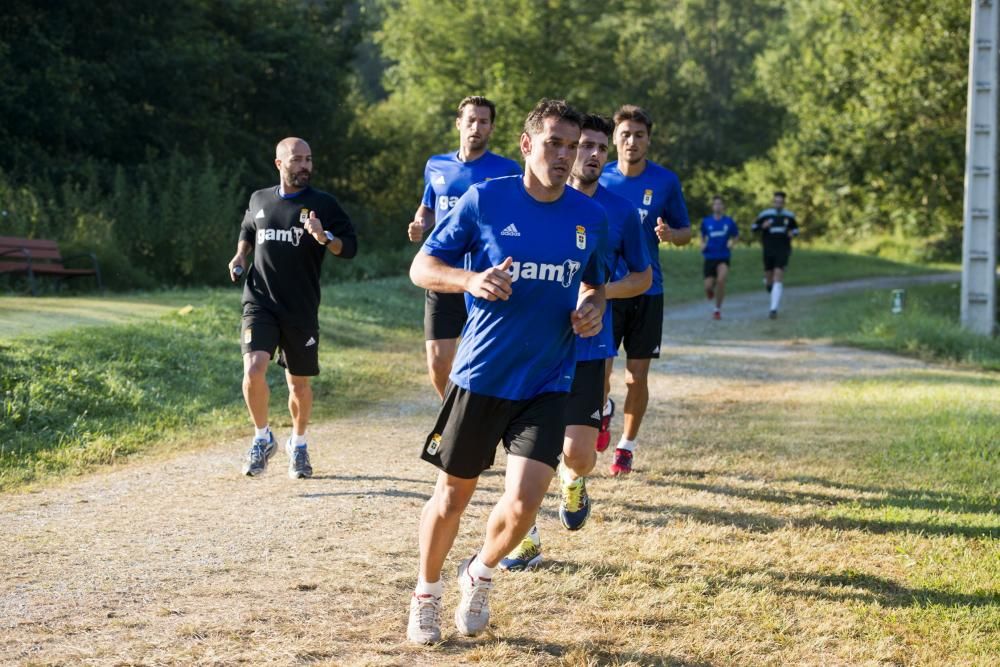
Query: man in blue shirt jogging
{"x": 446, "y": 178}
{"x": 536, "y": 279}
{"x": 656, "y": 193}
{"x": 718, "y": 233}
{"x": 583, "y": 412}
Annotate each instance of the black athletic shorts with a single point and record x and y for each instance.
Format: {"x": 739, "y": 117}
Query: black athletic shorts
{"x": 260, "y": 331}
{"x": 638, "y": 321}
{"x": 776, "y": 258}
{"x": 444, "y": 315}
{"x": 710, "y": 269}
{"x": 586, "y": 398}
{"x": 469, "y": 426}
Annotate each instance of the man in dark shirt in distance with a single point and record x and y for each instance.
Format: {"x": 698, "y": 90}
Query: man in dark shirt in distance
{"x": 289, "y": 228}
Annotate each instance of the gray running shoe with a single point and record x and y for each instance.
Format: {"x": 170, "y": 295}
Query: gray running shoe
{"x": 424, "y": 626}
{"x": 260, "y": 452}
{"x": 298, "y": 461}
{"x": 473, "y": 612}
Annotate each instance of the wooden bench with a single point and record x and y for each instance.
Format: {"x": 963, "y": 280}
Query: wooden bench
{"x": 41, "y": 257}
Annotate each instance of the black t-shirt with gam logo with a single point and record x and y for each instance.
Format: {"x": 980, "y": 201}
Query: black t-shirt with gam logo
{"x": 284, "y": 276}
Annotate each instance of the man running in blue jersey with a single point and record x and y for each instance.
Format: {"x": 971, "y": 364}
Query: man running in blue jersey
{"x": 446, "y": 178}
{"x": 777, "y": 228}
{"x": 586, "y": 397}
{"x": 655, "y": 192}
{"x": 718, "y": 233}
{"x": 537, "y": 279}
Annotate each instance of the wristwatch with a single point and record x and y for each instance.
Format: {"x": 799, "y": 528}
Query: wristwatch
{"x": 329, "y": 237}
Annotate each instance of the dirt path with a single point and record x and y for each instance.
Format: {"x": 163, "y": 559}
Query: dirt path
{"x": 186, "y": 562}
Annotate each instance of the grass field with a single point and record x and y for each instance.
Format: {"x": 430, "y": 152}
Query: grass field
{"x": 94, "y": 395}
{"x": 28, "y": 316}
{"x": 927, "y": 329}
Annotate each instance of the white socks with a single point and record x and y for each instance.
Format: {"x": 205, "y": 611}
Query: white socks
{"x": 298, "y": 440}
{"x": 261, "y": 433}
{"x": 566, "y": 476}
{"x": 436, "y": 589}
{"x": 627, "y": 445}
{"x": 478, "y": 570}
{"x": 775, "y": 296}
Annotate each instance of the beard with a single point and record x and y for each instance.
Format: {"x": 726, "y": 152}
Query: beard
{"x": 586, "y": 179}
{"x": 300, "y": 179}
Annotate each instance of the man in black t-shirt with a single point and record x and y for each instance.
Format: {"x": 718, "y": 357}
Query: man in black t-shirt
{"x": 777, "y": 228}
{"x": 289, "y": 228}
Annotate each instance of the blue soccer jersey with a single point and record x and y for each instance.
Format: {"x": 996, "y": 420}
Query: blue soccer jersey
{"x": 624, "y": 244}
{"x": 655, "y": 193}
{"x": 446, "y": 178}
{"x": 522, "y": 347}
{"x": 717, "y": 234}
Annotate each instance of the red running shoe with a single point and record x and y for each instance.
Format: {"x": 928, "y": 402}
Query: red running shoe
{"x": 623, "y": 462}
{"x": 717, "y": 315}
{"x": 604, "y": 433}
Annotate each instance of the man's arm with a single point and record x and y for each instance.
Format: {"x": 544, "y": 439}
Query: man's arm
{"x": 243, "y": 249}
{"x": 244, "y": 246}
{"x": 423, "y": 220}
{"x": 345, "y": 240}
{"x": 632, "y": 284}
{"x": 435, "y": 274}
{"x": 588, "y": 317}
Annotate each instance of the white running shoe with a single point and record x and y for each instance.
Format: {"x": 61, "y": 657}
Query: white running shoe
{"x": 473, "y": 612}
{"x": 425, "y": 619}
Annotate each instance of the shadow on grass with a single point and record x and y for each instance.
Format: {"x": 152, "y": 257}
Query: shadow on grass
{"x": 901, "y": 498}
{"x": 765, "y": 523}
{"x": 891, "y": 497}
{"x": 599, "y": 654}
{"x": 362, "y": 493}
{"x": 851, "y": 586}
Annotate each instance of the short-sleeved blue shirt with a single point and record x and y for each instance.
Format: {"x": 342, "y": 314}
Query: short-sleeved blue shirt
{"x": 446, "y": 178}
{"x": 525, "y": 346}
{"x": 625, "y": 243}
{"x": 717, "y": 234}
{"x": 655, "y": 193}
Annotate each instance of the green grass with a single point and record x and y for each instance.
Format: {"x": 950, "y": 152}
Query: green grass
{"x": 94, "y": 395}
{"x": 927, "y": 329}
{"x": 682, "y": 269}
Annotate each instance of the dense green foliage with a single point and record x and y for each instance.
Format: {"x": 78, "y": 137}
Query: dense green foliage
{"x": 140, "y": 133}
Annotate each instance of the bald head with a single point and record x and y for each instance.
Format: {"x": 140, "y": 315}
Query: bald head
{"x": 288, "y": 146}
{"x": 293, "y": 158}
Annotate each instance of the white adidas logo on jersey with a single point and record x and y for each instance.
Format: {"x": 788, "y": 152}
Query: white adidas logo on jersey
{"x": 260, "y": 215}
{"x": 510, "y": 230}
{"x": 438, "y": 180}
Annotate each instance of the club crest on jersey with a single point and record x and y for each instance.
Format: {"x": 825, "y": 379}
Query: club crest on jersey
{"x": 304, "y": 215}
{"x": 434, "y": 444}
{"x": 581, "y": 237}
{"x": 647, "y": 198}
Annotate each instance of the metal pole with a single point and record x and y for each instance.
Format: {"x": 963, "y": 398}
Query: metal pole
{"x": 979, "y": 240}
